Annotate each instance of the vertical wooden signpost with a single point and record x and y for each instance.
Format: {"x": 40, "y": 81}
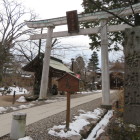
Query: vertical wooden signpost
{"x": 71, "y": 85}
{"x": 73, "y": 27}
{"x": 68, "y": 88}
{"x": 68, "y": 83}
{"x": 14, "y": 96}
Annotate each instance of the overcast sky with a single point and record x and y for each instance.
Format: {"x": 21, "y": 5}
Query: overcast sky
{"x": 53, "y": 8}
{"x": 57, "y": 8}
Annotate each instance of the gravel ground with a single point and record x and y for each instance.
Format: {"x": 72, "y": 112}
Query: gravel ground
{"x": 39, "y": 130}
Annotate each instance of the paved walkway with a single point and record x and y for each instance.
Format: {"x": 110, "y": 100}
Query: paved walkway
{"x": 37, "y": 113}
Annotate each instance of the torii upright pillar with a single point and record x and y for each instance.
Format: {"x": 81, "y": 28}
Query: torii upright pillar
{"x": 46, "y": 62}
{"x": 105, "y": 66}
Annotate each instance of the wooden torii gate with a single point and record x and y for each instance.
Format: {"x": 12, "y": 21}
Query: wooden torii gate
{"x": 103, "y": 29}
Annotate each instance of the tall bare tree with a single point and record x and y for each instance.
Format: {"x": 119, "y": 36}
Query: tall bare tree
{"x": 12, "y": 28}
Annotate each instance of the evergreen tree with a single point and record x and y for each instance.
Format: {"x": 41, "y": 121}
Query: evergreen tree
{"x": 93, "y": 62}
{"x": 92, "y": 6}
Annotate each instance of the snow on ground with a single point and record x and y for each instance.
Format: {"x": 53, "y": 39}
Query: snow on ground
{"x": 99, "y": 128}
{"x": 17, "y": 90}
{"x": 50, "y": 101}
{"x": 56, "y": 99}
{"x": 2, "y": 109}
{"x": 14, "y": 108}
{"x": 26, "y": 138}
{"x": 61, "y": 98}
{"x": 21, "y": 99}
{"x": 76, "y": 125}
{"x": 97, "y": 91}
{"x": 87, "y": 115}
{"x": 2, "y": 88}
{"x": 89, "y": 92}
{"x": 25, "y": 106}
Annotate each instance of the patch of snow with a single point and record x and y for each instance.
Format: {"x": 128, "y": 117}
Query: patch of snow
{"x": 132, "y": 126}
{"x": 2, "y": 109}
{"x": 1, "y": 89}
{"x": 27, "y": 76}
{"x": 14, "y": 108}
{"x": 35, "y": 101}
{"x": 77, "y": 125}
{"x": 26, "y": 138}
{"x": 99, "y": 132}
{"x": 60, "y": 97}
{"x": 17, "y": 90}
{"x": 99, "y": 128}
{"x": 98, "y": 91}
{"x": 12, "y": 89}
{"x": 50, "y": 101}
{"x": 62, "y": 133}
{"x": 90, "y": 92}
{"x": 85, "y": 92}
{"x": 21, "y": 99}
{"x": 30, "y": 105}
{"x": 25, "y": 106}
{"x": 88, "y": 115}
{"x": 82, "y": 111}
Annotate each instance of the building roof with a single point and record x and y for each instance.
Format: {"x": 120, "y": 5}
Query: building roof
{"x": 70, "y": 75}
{"x": 59, "y": 66}
{"x": 56, "y": 65}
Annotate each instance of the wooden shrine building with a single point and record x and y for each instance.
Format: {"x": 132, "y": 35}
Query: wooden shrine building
{"x": 57, "y": 69}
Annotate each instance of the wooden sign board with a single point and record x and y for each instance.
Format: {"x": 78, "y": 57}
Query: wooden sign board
{"x": 68, "y": 83}
{"x": 72, "y": 21}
